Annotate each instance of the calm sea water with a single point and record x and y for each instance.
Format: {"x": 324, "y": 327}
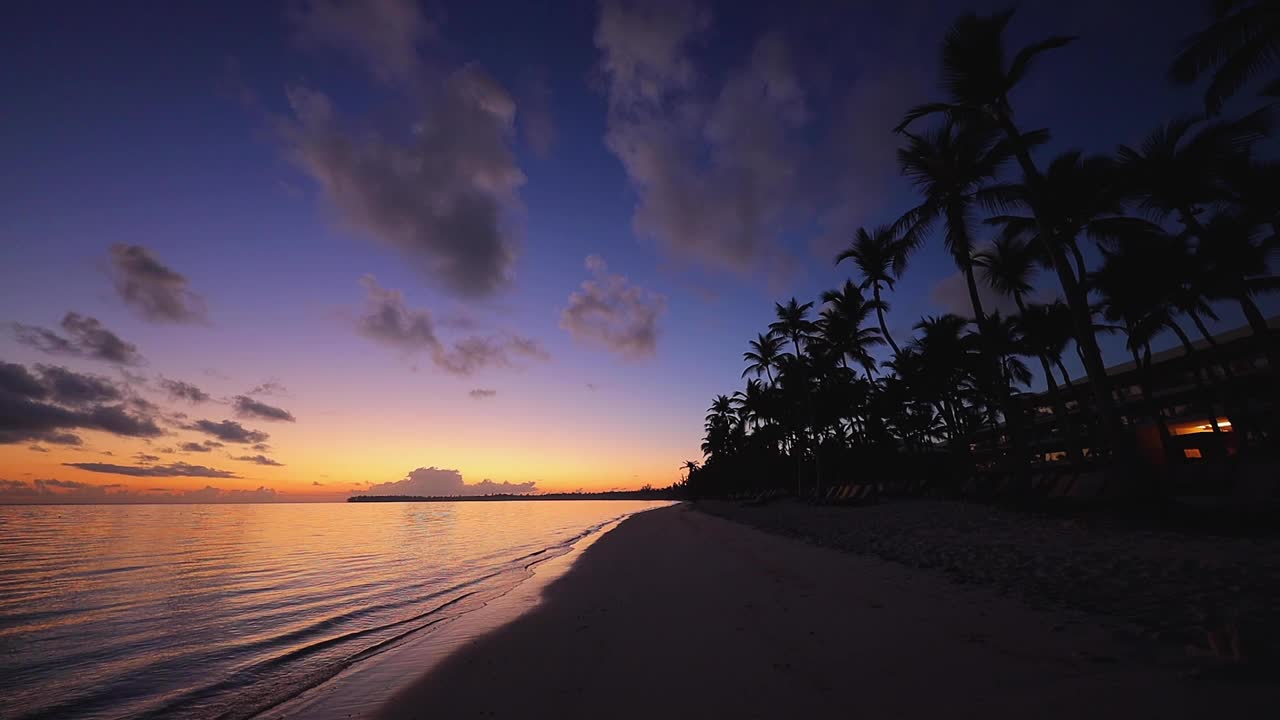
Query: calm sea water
{"x": 213, "y": 611}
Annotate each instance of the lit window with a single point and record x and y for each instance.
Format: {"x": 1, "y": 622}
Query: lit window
{"x": 1191, "y": 452}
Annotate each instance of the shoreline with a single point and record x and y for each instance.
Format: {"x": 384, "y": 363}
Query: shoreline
{"x": 680, "y": 613}
{"x": 359, "y": 689}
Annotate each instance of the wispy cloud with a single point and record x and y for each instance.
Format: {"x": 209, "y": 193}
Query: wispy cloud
{"x": 608, "y": 310}
{"x": 154, "y": 290}
{"x": 86, "y": 337}
{"x": 482, "y": 393}
{"x": 228, "y": 431}
{"x": 246, "y": 406}
{"x": 439, "y": 482}
{"x": 388, "y": 319}
{"x": 179, "y": 469}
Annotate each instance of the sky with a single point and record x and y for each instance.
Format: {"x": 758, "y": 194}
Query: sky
{"x": 290, "y": 251}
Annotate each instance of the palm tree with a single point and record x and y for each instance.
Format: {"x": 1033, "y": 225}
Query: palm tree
{"x": 763, "y": 356}
{"x": 750, "y": 403}
{"x": 793, "y": 323}
{"x": 1240, "y": 45}
{"x": 1008, "y": 267}
{"x": 690, "y": 467}
{"x": 879, "y": 257}
{"x": 840, "y": 330}
{"x": 1175, "y": 172}
{"x": 978, "y": 80}
{"x": 952, "y": 168}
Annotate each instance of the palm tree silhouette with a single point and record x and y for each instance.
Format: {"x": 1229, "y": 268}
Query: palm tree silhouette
{"x": 879, "y": 258}
{"x": 765, "y": 352}
{"x": 978, "y": 80}
{"x": 1239, "y": 46}
{"x": 952, "y": 169}
{"x": 840, "y": 331}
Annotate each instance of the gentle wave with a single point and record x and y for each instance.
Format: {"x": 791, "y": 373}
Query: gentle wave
{"x": 224, "y": 611}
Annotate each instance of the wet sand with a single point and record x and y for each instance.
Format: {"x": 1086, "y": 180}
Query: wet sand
{"x": 676, "y": 613}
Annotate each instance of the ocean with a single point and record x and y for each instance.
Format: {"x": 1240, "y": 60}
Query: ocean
{"x": 222, "y": 611}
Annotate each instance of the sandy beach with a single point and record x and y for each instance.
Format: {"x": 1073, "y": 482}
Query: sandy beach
{"x": 677, "y": 613}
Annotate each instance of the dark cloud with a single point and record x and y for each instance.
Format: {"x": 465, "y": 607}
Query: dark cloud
{"x": 258, "y": 460}
{"x": 179, "y": 469}
{"x": 389, "y": 320}
{"x": 71, "y": 491}
{"x": 205, "y": 446}
{"x": 16, "y": 379}
{"x": 145, "y": 458}
{"x": 68, "y": 387}
{"x": 260, "y": 447}
{"x": 86, "y": 338}
{"x": 179, "y": 390}
{"x": 48, "y": 408}
{"x": 228, "y": 431}
{"x": 155, "y": 291}
{"x": 610, "y": 311}
{"x": 447, "y": 199}
{"x": 317, "y": 483}
{"x": 37, "y": 448}
{"x": 439, "y": 482}
{"x": 246, "y": 406}
{"x": 482, "y": 393}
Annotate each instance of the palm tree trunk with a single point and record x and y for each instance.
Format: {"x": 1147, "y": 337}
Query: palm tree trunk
{"x": 884, "y": 329}
{"x": 1144, "y": 373}
{"x": 1077, "y": 297}
{"x": 1066, "y": 377}
{"x": 966, "y": 266}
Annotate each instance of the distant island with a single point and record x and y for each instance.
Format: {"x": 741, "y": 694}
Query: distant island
{"x": 670, "y": 493}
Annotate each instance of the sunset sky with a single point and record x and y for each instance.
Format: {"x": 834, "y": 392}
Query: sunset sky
{"x": 255, "y": 250}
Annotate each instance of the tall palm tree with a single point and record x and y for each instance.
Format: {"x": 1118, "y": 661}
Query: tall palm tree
{"x": 879, "y": 257}
{"x": 1176, "y": 172}
{"x": 1008, "y": 267}
{"x": 750, "y": 403}
{"x": 840, "y": 327}
{"x": 793, "y": 323}
{"x": 978, "y": 79}
{"x": 952, "y": 168}
{"x": 1242, "y": 44}
{"x": 763, "y": 357}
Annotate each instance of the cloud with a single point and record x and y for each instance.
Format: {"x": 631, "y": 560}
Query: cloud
{"x": 246, "y": 406}
{"x": 72, "y": 388}
{"x": 46, "y": 408}
{"x": 179, "y": 390}
{"x": 228, "y": 431}
{"x": 952, "y": 295}
{"x": 383, "y": 34}
{"x": 446, "y": 198}
{"x": 389, "y": 320}
{"x": 70, "y": 491}
{"x": 145, "y": 458}
{"x": 317, "y": 483}
{"x": 610, "y": 311}
{"x": 716, "y": 166}
{"x": 86, "y": 338}
{"x": 37, "y": 448}
{"x": 439, "y": 482}
{"x": 206, "y": 446}
{"x": 179, "y": 469}
{"x": 482, "y": 393}
{"x": 157, "y": 292}
{"x": 270, "y": 387}
{"x": 258, "y": 460}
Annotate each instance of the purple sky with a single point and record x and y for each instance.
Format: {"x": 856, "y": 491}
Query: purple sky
{"x": 527, "y": 241}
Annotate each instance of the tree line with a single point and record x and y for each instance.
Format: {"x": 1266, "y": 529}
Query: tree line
{"x": 1181, "y": 222}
